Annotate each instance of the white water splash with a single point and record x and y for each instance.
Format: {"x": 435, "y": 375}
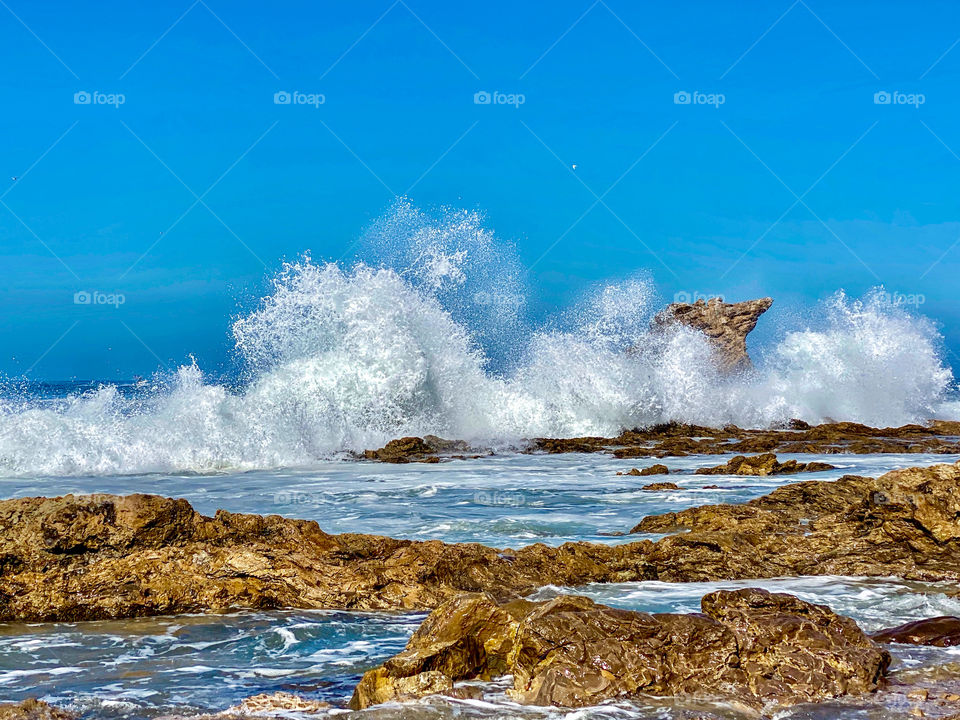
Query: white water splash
{"x": 433, "y": 339}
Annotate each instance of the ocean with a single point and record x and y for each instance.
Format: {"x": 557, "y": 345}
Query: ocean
{"x": 428, "y": 332}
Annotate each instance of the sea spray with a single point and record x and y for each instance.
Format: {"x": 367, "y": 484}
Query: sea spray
{"x": 340, "y": 357}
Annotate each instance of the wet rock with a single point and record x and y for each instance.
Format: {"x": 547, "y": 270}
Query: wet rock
{"x": 904, "y": 523}
{"x": 930, "y": 691}
{"x": 748, "y": 646}
{"x": 657, "y": 486}
{"x": 762, "y": 465}
{"x": 725, "y": 324}
{"x": 469, "y": 637}
{"x": 33, "y": 709}
{"x": 400, "y": 451}
{"x": 938, "y": 632}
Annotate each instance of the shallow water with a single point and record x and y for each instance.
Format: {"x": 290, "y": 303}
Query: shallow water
{"x": 503, "y": 500}
{"x": 188, "y": 664}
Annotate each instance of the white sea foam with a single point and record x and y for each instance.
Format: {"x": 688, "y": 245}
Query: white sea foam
{"x": 428, "y": 335}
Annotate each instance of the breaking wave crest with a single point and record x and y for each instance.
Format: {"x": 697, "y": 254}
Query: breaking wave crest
{"x": 428, "y": 333}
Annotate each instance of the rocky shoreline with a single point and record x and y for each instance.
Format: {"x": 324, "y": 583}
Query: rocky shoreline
{"x": 90, "y": 557}
{"x": 106, "y": 557}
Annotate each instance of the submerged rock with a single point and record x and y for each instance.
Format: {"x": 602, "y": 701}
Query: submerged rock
{"x": 725, "y": 324}
{"x": 749, "y": 646}
{"x": 938, "y": 632}
{"x": 278, "y": 702}
{"x": 762, "y": 465}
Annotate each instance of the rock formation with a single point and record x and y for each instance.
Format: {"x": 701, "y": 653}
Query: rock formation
{"x": 726, "y": 324}
{"x": 763, "y": 465}
{"x": 750, "y": 646}
{"x": 104, "y": 556}
{"x": 907, "y": 521}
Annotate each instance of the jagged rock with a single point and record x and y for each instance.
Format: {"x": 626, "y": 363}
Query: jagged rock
{"x": 766, "y": 464}
{"x": 726, "y": 324}
{"x": 749, "y": 646}
{"x": 654, "y": 487}
{"x": 938, "y": 632}
{"x": 33, "y": 709}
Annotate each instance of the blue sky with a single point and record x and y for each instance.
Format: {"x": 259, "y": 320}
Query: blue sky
{"x": 186, "y": 197}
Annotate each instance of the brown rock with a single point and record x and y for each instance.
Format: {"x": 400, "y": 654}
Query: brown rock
{"x": 904, "y": 523}
{"x": 938, "y": 632}
{"x": 766, "y": 464}
{"x": 652, "y": 470}
{"x": 400, "y": 451}
{"x": 655, "y": 470}
{"x": 33, "y": 709}
{"x": 749, "y": 646}
{"x": 657, "y": 486}
{"x": 725, "y": 324}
